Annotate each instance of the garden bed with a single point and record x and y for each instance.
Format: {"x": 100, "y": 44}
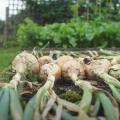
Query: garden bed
{"x": 95, "y": 96}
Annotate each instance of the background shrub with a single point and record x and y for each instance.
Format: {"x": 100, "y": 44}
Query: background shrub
{"x": 76, "y": 33}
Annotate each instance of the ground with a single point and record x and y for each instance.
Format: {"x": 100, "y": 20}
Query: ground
{"x": 6, "y": 56}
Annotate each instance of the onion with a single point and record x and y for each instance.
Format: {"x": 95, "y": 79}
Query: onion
{"x": 45, "y": 60}
{"x": 72, "y": 70}
{"x": 25, "y": 62}
{"x": 97, "y": 66}
{"x": 116, "y": 60}
{"x": 61, "y": 60}
{"x": 50, "y": 69}
{"x": 98, "y": 69}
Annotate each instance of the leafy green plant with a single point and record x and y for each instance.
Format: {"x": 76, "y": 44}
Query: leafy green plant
{"x": 28, "y": 33}
{"x": 76, "y": 33}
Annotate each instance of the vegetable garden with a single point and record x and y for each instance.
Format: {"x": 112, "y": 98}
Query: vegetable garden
{"x": 56, "y": 66}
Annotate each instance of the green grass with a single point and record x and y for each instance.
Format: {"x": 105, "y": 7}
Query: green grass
{"x": 6, "y": 56}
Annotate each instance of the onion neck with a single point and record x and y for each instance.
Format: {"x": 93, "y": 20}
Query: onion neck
{"x": 108, "y": 79}
{"x": 16, "y": 79}
{"x": 74, "y": 77}
{"x": 51, "y": 81}
{"x": 114, "y": 62}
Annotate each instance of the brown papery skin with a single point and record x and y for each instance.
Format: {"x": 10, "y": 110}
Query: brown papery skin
{"x": 50, "y": 69}
{"x": 72, "y": 67}
{"x": 45, "y": 60}
{"x": 116, "y": 60}
{"x": 63, "y": 59}
{"x": 25, "y": 62}
{"x": 97, "y": 66}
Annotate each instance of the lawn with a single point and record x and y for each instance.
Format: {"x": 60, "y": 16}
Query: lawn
{"x": 6, "y": 56}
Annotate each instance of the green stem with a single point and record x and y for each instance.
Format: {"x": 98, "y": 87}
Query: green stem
{"x": 115, "y": 93}
{"x": 108, "y": 79}
{"x": 86, "y": 99}
{"x": 96, "y": 106}
{"x": 107, "y": 106}
{"x": 42, "y": 95}
{"x": 87, "y": 94}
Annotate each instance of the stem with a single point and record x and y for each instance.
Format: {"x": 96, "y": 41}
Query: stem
{"x": 65, "y": 115}
{"x": 44, "y": 92}
{"x": 108, "y": 79}
{"x": 40, "y": 100}
{"x": 86, "y": 99}
{"x": 15, "y": 80}
{"x": 96, "y": 106}
{"x": 107, "y": 106}
{"x": 77, "y": 9}
{"x": 74, "y": 77}
{"x": 87, "y": 92}
{"x": 115, "y": 93}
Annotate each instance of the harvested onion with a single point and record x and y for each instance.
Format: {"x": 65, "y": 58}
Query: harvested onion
{"x": 49, "y": 70}
{"x": 45, "y": 60}
{"x": 25, "y": 62}
{"x": 116, "y": 60}
{"x": 61, "y": 60}
{"x": 97, "y": 66}
{"x": 72, "y": 70}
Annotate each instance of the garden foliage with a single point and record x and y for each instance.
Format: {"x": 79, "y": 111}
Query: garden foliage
{"x": 76, "y": 33}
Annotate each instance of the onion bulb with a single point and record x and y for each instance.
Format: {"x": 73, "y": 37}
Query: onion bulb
{"x": 25, "y": 62}
{"x": 97, "y": 66}
{"x": 45, "y": 60}
{"x": 61, "y": 60}
{"x": 116, "y": 60}
{"x": 72, "y": 70}
{"x": 50, "y": 69}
